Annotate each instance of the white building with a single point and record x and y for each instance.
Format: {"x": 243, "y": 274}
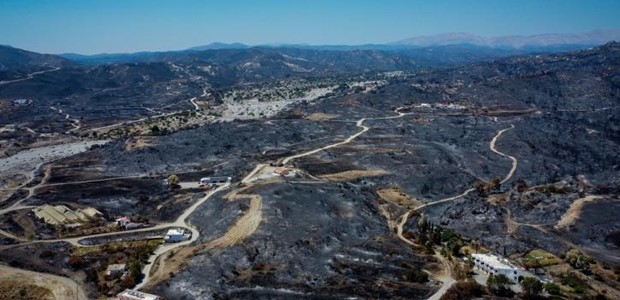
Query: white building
{"x": 136, "y": 295}
{"x": 116, "y": 269}
{"x": 494, "y": 265}
{"x": 215, "y": 180}
{"x": 176, "y": 235}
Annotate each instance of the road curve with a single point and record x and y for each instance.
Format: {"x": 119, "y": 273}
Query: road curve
{"x": 449, "y": 281}
{"x": 514, "y": 160}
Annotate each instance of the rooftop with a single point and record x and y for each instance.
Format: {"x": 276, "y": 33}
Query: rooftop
{"x": 132, "y": 294}
{"x": 176, "y": 231}
{"x": 61, "y": 214}
{"x": 116, "y": 267}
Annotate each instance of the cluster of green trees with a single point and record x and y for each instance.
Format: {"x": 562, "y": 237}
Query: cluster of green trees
{"x": 532, "y": 287}
{"x": 579, "y": 261}
{"x": 431, "y": 235}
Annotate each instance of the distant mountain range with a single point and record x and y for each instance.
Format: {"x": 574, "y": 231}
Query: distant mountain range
{"x": 538, "y": 41}
{"x": 428, "y": 51}
{"x": 593, "y": 38}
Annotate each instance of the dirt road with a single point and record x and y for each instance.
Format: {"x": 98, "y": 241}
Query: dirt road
{"x": 447, "y": 279}
{"x": 514, "y": 160}
{"x": 29, "y": 76}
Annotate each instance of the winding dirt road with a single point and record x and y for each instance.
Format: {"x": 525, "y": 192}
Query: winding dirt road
{"x": 448, "y": 281}
{"x": 250, "y": 221}
{"x": 515, "y": 163}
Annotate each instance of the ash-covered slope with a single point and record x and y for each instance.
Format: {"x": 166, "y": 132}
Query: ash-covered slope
{"x": 565, "y": 149}
{"x": 15, "y": 63}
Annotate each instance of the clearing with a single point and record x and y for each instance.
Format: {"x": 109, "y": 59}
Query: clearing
{"x": 574, "y": 211}
{"x": 354, "y": 174}
{"x": 21, "y": 284}
{"x": 321, "y": 117}
{"x": 396, "y": 196}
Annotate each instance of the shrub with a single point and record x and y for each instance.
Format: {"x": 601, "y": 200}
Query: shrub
{"x": 417, "y": 276}
{"x": 577, "y": 284}
{"x": 464, "y": 290}
{"x": 553, "y": 289}
{"x": 531, "y": 286}
{"x": 579, "y": 260}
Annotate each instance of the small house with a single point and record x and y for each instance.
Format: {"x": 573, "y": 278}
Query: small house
{"x": 136, "y": 295}
{"x": 214, "y": 180}
{"x": 115, "y": 270}
{"x": 176, "y": 235}
{"x": 282, "y": 171}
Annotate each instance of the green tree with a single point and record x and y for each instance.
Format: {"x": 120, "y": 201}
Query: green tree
{"x": 135, "y": 269}
{"x": 423, "y": 224}
{"x": 579, "y": 260}
{"x": 498, "y": 283}
{"x": 173, "y": 181}
{"x": 553, "y": 289}
{"x": 531, "y": 287}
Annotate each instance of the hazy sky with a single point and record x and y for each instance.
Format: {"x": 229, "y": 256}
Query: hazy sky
{"x": 96, "y": 26}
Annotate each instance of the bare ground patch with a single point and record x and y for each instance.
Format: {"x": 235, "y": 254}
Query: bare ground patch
{"x": 321, "y": 117}
{"x": 168, "y": 264}
{"x": 138, "y": 142}
{"x": 354, "y": 174}
{"x": 398, "y": 197}
{"x": 21, "y": 284}
{"x": 574, "y": 211}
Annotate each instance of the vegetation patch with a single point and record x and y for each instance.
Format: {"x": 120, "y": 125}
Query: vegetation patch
{"x": 539, "y": 258}
{"x": 95, "y": 260}
{"x": 18, "y": 290}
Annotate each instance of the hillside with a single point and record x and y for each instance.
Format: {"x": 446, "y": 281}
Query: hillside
{"x": 15, "y": 63}
{"x": 345, "y": 182}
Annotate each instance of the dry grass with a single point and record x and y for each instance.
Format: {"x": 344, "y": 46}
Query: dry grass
{"x": 396, "y": 196}
{"x": 15, "y": 289}
{"x": 243, "y": 228}
{"x": 354, "y": 174}
{"x": 497, "y": 199}
{"x": 574, "y": 211}
{"x": 541, "y": 258}
{"x": 321, "y": 117}
{"x": 390, "y": 215}
{"x": 22, "y": 284}
{"x": 138, "y": 142}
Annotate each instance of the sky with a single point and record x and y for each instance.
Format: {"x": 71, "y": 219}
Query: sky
{"x": 113, "y": 26}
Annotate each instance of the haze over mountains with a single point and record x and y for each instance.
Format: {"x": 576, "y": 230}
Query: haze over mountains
{"x": 595, "y": 37}
{"x": 556, "y": 40}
